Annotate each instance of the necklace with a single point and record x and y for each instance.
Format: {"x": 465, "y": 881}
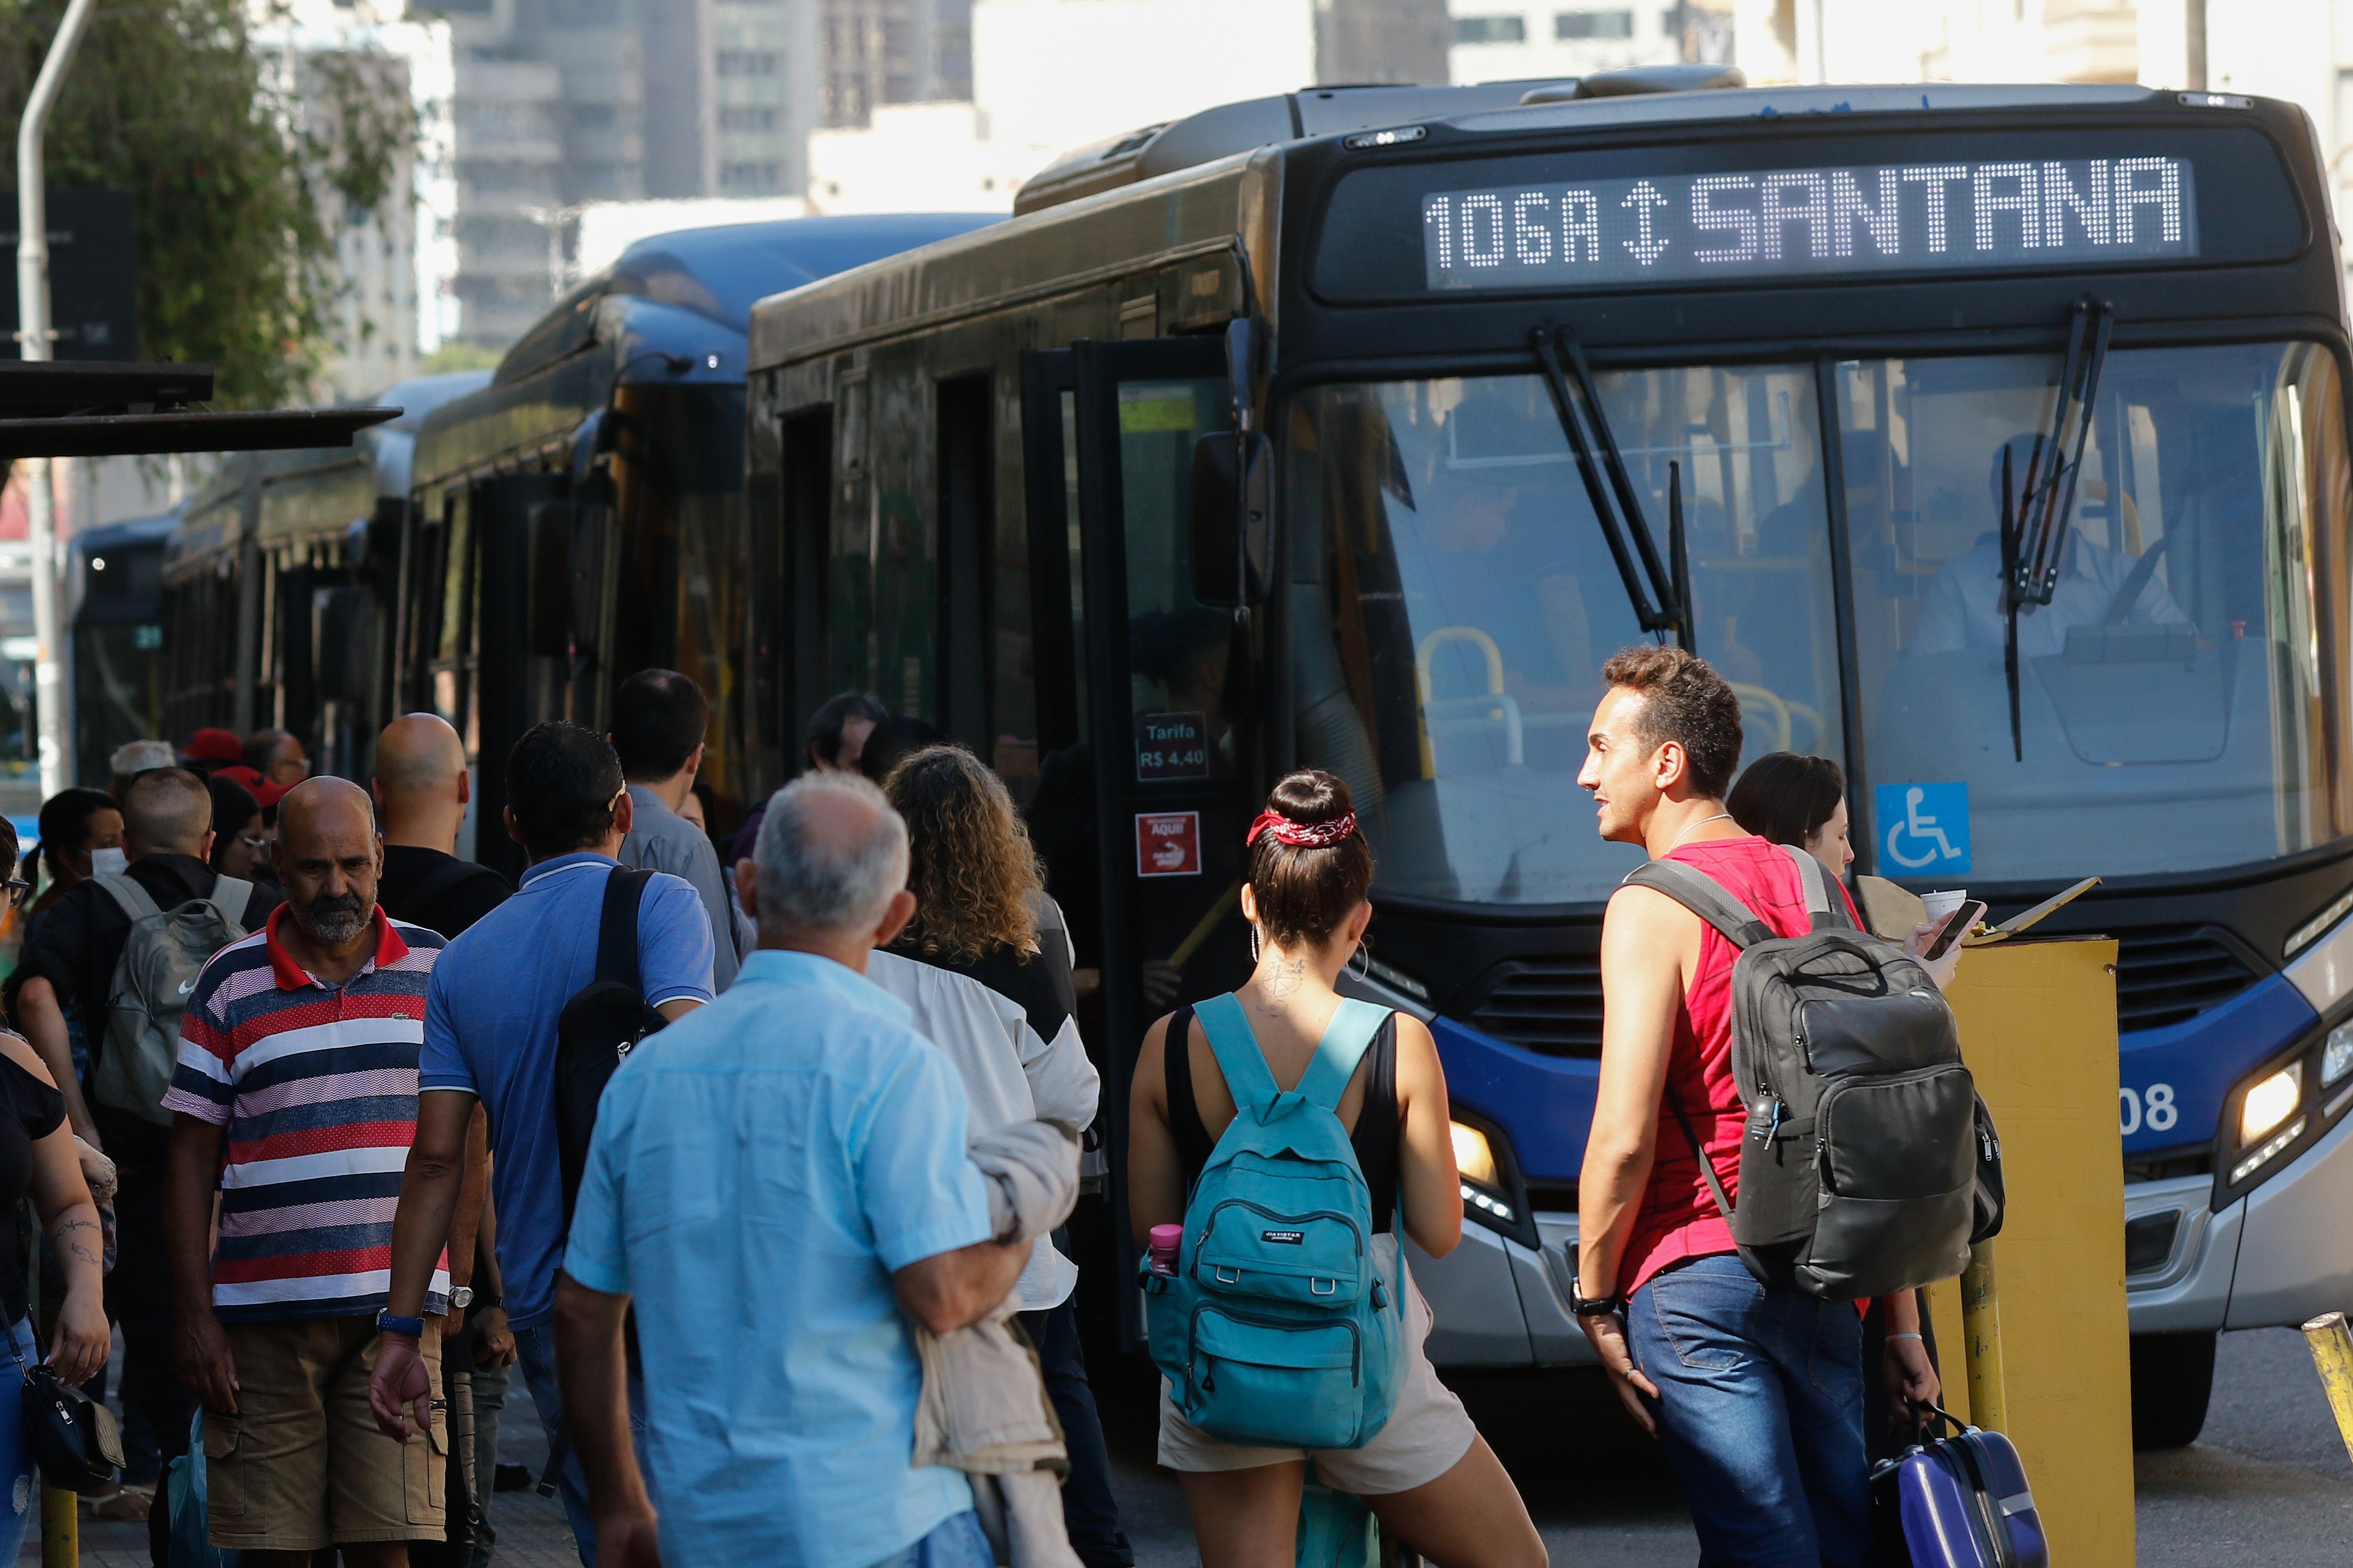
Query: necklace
{"x": 1694, "y": 827}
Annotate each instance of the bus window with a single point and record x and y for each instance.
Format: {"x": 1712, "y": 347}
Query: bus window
{"x": 964, "y": 518}
{"x": 1077, "y": 565}
{"x": 850, "y": 616}
{"x": 1180, "y": 651}
{"x": 1448, "y": 665}
{"x": 806, "y": 442}
{"x": 2178, "y": 660}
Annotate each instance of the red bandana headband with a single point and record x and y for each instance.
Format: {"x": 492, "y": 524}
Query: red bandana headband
{"x": 1302, "y": 835}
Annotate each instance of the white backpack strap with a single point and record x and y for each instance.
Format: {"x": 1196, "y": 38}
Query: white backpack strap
{"x": 136, "y": 902}
{"x": 230, "y": 897}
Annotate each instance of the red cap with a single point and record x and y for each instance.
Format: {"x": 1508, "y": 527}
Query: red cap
{"x": 214, "y": 746}
{"x": 266, "y": 793}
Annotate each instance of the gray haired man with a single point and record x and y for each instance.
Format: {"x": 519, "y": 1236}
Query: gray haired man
{"x": 780, "y": 1185}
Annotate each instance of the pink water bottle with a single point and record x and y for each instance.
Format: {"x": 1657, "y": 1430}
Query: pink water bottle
{"x": 1165, "y": 1240}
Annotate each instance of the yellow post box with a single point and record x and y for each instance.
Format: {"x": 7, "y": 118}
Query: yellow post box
{"x": 2039, "y": 1032}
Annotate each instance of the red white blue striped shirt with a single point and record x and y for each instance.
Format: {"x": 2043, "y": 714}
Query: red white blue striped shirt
{"x": 317, "y": 1086}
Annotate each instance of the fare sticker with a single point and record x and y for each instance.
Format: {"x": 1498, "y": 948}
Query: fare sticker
{"x": 1168, "y": 844}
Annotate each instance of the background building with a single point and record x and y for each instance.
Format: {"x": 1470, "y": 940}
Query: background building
{"x": 1505, "y": 41}
{"x": 1051, "y": 75}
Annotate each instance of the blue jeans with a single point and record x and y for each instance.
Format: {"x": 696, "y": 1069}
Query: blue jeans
{"x": 956, "y": 1541}
{"x": 535, "y": 1355}
{"x": 18, "y": 1485}
{"x": 1761, "y": 1405}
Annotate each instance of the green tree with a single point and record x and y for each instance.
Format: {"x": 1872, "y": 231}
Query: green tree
{"x": 242, "y": 172}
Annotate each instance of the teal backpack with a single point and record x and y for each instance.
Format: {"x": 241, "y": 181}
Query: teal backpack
{"x": 1277, "y": 1329}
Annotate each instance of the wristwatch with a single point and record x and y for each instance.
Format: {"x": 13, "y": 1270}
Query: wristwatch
{"x": 1583, "y": 1306}
{"x": 462, "y": 1296}
{"x": 491, "y": 1302}
{"x": 387, "y": 1322}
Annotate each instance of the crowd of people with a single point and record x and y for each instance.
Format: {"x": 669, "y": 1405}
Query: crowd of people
{"x": 756, "y": 1167}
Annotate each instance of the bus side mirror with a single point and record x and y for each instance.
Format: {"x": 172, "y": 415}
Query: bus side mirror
{"x": 547, "y": 624}
{"x": 1231, "y": 521}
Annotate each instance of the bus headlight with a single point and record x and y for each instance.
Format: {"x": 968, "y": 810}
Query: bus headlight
{"x": 2270, "y": 1102}
{"x": 1474, "y": 1157}
{"x": 1489, "y": 1183}
{"x": 2337, "y": 1056}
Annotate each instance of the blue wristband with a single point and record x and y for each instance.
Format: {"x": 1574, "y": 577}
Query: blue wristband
{"x": 386, "y": 1323}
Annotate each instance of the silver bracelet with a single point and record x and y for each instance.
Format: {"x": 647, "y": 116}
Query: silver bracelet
{"x": 1903, "y": 1336}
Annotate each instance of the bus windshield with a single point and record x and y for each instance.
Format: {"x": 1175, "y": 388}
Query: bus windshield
{"x": 1453, "y": 599}
{"x": 2180, "y": 697}
{"x": 1460, "y": 599}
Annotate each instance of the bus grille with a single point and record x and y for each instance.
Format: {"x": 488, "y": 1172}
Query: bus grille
{"x": 1551, "y": 1005}
{"x": 2166, "y": 974}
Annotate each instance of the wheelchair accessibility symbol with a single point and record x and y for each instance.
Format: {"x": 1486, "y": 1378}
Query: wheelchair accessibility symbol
{"x": 1923, "y": 828}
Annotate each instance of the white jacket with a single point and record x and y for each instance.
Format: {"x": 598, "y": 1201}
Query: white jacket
{"x": 1010, "y": 1075}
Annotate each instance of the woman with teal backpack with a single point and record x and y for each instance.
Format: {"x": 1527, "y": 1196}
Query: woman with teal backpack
{"x": 1292, "y": 1132}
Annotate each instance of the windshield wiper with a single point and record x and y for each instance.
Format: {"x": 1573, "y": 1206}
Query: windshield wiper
{"x": 1659, "y": 591}
{"x": 2034, "y": 525}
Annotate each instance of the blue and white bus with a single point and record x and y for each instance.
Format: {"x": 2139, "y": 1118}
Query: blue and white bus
{"x": 1992, "y": 440}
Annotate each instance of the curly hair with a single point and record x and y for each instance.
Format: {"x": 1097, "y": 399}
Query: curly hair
{"x": 971, "y": 868}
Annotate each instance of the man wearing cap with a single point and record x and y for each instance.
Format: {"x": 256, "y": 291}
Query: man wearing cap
{"x": 210, "y": 750}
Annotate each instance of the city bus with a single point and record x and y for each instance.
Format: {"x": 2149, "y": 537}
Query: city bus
{"x": 1991, "y": 441}
{"x": 278, "y": 587}
{"x": 581, "y": 517}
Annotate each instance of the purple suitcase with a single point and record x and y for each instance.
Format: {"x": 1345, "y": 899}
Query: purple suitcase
{"x": 1964, "y": 1502}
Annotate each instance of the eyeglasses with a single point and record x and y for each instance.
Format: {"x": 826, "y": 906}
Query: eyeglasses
{"x": 17, "y": 887}
{"x": 256, "y": 842}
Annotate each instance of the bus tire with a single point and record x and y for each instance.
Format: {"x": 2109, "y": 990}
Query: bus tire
{"x": 2172, "y": 1379}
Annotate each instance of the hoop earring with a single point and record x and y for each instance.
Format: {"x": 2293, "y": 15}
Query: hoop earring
{"x": 1362, "y": 965}
{"x": 1254, "y": 930}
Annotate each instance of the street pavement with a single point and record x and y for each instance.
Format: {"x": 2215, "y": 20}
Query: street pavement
{"x": 2267, "y": 1482}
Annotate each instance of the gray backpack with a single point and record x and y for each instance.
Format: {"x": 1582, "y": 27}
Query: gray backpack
{"x": 1860, "y": 1160}
{"x": 152, "y": 985}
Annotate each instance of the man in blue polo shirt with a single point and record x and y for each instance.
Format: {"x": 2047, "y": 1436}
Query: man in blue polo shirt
{"x": 489, "y": 1034}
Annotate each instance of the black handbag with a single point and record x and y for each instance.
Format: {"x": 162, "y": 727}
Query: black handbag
{"x": 72, "y": 1437}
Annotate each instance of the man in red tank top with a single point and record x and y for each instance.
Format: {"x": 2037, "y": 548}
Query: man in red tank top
{"x": 1756, "y": 1392}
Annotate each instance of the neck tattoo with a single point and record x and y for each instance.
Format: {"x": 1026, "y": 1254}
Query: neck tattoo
{"x": 1694, "y": 827}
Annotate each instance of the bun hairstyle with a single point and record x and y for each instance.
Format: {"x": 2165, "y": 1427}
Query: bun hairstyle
{"x": 1304, "y": 891}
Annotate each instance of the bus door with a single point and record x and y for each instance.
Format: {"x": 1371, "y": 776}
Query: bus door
{"x": 514, "y": 682}
{"x": 1168, "y": 704}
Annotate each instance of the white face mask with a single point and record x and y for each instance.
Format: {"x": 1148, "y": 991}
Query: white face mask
{"x": 108, "y": 863}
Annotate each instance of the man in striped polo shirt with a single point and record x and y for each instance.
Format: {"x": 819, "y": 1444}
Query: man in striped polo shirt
{"x": 295, "y": 1098}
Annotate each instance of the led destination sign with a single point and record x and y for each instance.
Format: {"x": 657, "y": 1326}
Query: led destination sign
{"x": 1894, "y": 216}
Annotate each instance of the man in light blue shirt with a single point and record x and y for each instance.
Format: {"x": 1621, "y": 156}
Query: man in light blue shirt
{"x": 489, "y": 1036}
{"x": 779, "y": 1188}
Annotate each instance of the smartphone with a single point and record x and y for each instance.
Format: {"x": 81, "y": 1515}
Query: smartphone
{"x": 1962, "y": 922}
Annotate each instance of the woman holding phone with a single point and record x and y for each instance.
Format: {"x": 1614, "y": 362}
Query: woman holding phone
{"x": 1785, "y": 797}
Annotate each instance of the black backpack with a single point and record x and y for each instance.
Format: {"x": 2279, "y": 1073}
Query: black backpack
{"x": 1868, "y": 1164}
{"x": 604, "y": 1020}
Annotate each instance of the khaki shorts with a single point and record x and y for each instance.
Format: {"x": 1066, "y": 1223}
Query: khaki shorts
{"x": 303, "y": 1463}
{"x": 1426, "y": 1434}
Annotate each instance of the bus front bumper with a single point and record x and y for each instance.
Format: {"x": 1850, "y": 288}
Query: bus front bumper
{"x": 2279, "y": 1255}
{"x": 1495, "y": 1302}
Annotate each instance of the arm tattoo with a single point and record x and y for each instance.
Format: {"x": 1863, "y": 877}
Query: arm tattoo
{"x": 61, "y": 1236}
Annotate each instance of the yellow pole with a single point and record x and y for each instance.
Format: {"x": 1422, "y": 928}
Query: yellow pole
{"x": 60, "y": 1528}
{"x": 2332, "y": 1354}
{"x": 1981, "y": 1335}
